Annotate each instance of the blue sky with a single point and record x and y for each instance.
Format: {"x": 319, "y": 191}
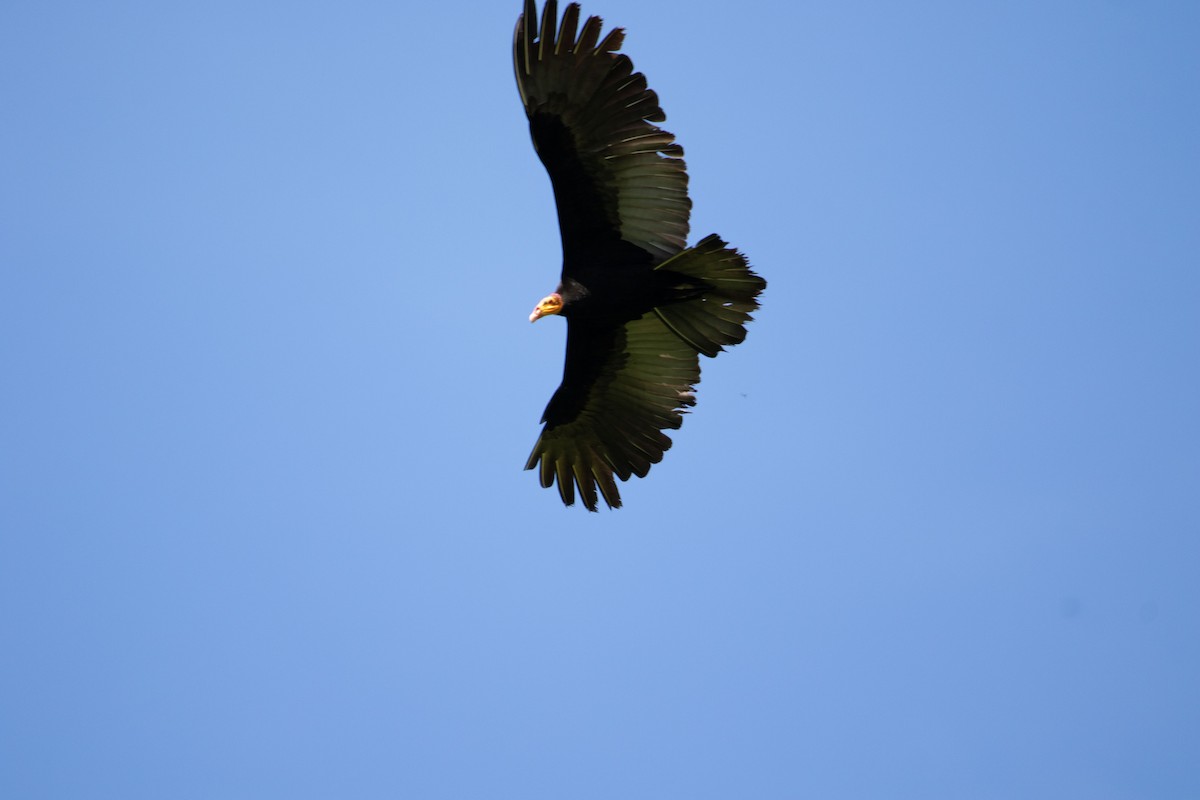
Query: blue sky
{"x": 932, "y": 531}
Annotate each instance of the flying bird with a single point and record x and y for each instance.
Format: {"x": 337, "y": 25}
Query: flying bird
{"x": 641, "y": 306}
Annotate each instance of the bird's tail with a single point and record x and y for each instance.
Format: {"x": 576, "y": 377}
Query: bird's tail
{"x": 717, "y": 318}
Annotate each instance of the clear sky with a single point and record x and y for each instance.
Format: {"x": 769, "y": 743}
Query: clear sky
{"x": 269, "y": 385}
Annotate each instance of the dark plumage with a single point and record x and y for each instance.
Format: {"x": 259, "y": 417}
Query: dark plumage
{"x": 640, "y": 305}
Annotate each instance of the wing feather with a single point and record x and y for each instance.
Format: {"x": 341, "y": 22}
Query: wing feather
{"x": 608, "y": 420}
{"x": 615, "y": 174}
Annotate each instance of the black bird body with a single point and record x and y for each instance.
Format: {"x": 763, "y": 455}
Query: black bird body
{"x": 640, "y": 305}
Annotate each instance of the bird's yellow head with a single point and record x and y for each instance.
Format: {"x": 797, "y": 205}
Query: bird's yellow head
{"x": 550, "y": 304}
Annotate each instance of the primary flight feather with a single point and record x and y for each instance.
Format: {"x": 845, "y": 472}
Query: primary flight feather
{"x": 640, "y": 305}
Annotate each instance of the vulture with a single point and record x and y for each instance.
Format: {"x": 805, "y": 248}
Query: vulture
{"x": 641, "y": 306}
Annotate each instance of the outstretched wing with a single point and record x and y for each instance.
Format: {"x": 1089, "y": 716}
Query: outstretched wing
{"x": 615, "y": 174}
{"x": 622, "y": 386}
